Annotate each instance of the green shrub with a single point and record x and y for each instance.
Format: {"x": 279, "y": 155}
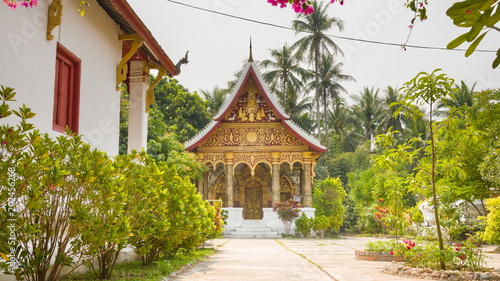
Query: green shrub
{"x": 320, "y": 224}
{"x": 492, "y": 232}
{"x": 381, "y": 246}
{"x": 461, "y": 256}
{"x": 303, "y": 226}
{"x": 68, "y": 204}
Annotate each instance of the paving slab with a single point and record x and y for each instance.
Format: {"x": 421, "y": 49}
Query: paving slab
{"x": 295, "y": 259}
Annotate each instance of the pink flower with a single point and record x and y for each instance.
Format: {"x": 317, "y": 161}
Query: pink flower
{"x": 392, "y": 253}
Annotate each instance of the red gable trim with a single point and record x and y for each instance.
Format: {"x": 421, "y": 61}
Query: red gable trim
{"x": 302, "y": 138}
{"x": 207, "y": 132}
{"x": 124, "y": 8}
{"x": 251, "y": 72}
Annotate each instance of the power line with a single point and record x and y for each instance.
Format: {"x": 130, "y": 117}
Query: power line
{"x": 329, "y": 35}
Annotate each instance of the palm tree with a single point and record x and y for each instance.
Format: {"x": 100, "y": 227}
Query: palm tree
{"x": 343, "y": 123}
{"x": 299, "y": 113}
{"x": 369, "y": 112}
{"x": 330, "y": 74}
{"x": 285, "y": 73}
{"x": 215, "y": 99}
{"x": 461, "y": 99}
{"x": 392, "y": 104}
{"x": 316, "y": 42}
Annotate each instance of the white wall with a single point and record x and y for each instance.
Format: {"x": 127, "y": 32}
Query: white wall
{"x": 27, "y": 63}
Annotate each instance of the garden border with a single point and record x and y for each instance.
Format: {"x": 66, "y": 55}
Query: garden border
{"x": 376, "y": 256}
{"x": 402, "y": 270}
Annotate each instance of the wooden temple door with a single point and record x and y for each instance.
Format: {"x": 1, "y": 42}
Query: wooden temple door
{"x": 253, "y": 202}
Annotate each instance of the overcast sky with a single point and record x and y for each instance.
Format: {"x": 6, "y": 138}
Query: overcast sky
{"x": 218, "y": 46}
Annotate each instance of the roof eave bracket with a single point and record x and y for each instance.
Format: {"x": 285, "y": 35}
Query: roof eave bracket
{"x": 150, "y": 94}
{"x": 122, "y": 70}
{"x": 54, "y": 17}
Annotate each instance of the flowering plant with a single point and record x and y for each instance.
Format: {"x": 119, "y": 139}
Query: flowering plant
{"x": 13, "y": 4}
{"x": 287, "y": 211}
{"x": 299, "y": 6}
{"x": 25, "y": 3}
{"x": 461, "y": 256}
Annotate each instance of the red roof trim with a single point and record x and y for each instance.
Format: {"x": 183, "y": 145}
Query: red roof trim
{"x": 304, "y": 140}
{"x": 128, "y": 13}
{"x": 266, "y": 97}
{"x": 205, "y": 137}
{"x": 235, "y": 98}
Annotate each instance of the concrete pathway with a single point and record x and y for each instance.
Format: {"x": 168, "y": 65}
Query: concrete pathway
{"x": 288, "y": 259}
{"x": 294, "y": 259}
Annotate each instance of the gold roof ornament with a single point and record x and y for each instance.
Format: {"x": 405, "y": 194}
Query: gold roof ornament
{"x": 250, "y": 57}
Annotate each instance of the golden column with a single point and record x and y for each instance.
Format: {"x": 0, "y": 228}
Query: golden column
{"x": 275, "y": 181}
{"x": 307, "y": 188}
{"x": 229, "y": 178}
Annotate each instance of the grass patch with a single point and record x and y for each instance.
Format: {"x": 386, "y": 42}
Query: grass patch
{"x": 135, "y": 271}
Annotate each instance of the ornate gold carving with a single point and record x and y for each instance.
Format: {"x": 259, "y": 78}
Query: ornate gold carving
{"x": 286, "y": 185}
{"x": 251, "y": 137}
{"x": 291, "y": 157}
{"x": 121, "y": 73}
{"x": 266, "y": 136}
{"x": 55, "y": 17}
{"x": 213, "y": 158}
{"x": 251, "y": 107}
{"x": 150, "y": 94}
{"x": 252, "y": 159}
{"x": 220, "y": 184}
{"x": 253, "y": 204}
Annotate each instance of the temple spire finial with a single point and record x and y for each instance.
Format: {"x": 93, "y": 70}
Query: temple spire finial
{"x": 250, "y": 57}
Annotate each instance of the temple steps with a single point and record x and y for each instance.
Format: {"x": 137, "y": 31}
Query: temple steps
{"x": 252, "y": 229}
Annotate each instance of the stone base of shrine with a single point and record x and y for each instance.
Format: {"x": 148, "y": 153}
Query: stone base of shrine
{"x": 270, "y": 226}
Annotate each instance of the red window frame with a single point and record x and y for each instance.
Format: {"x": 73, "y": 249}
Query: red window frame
{"x": 66, "y": 91}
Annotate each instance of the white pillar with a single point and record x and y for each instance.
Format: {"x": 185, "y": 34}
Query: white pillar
{"x": 138, "y": 117}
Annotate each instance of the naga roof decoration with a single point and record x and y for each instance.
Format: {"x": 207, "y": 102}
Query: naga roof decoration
{"x": 251, "y": 102}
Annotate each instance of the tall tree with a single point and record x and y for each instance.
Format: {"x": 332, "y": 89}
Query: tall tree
{"x": 316, "y": 42}
{"x": 342, "y": 122}
{"x": 391, "y": 118}
{"x": 428, "y": 89}
{"x": 285, "y": 73}
{"x": 330, "y": 74}
{"x": 369, "y": 112}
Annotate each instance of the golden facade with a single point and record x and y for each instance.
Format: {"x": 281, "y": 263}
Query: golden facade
{"x": 255, "y": 154}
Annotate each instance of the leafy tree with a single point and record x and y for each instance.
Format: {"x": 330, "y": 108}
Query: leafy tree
{"x": 476, "y": 16}
{"x": 428, "y": 89}
{"x": 185, "y": 113}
